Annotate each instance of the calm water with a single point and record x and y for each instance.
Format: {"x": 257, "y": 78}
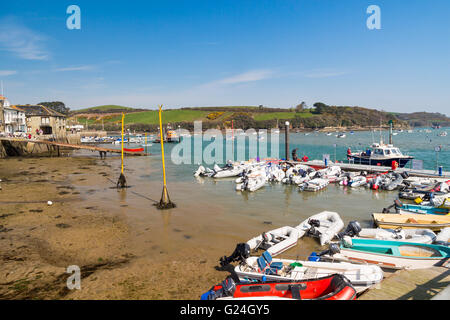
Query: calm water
{"x": 218, "y": 217}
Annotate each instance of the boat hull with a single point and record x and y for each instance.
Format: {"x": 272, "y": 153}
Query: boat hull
{"x": 411, "y": 221}
{"x": 380, "y": 162}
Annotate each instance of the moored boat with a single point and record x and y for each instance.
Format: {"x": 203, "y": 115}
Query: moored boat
{"x": 361, "y": 276}
{"x": 392, "y": 254}
{"x": 334, "y": 287}
{"x": 407, "y": 235}
{"x": 324, "y": 225}
{"x": 411, "y": 221}
{"x": 275, "y": 241}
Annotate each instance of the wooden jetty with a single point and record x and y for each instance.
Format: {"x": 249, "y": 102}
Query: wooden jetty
{"x": 419, "y": 284}
{"x": 58, "y": 145}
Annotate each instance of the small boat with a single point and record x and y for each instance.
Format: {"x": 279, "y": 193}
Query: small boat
{"x": 415, "y": 208}
{"x": 324, "y": 225}
{"x": 134, "y": 150}
{"x": 406, "y": 235}
{"x": 381, "y": 155}
{"x": 393, "y": 254}
{"x": 314, "y": 185}
{"x": 411, "y": 221}
{"x": 443, "y": 134}
{"x": 275, "y": 241}
{"x": 334, "y": 287}
{"x": 231, "y": 171}
{"x": 341, "y": 135}
{"x": 362, "y": 277}
{"x": 443, "y": 237}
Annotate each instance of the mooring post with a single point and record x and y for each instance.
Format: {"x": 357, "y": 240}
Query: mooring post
{"x": 122, "y": 182}
{"x": 165, "y": 202}
{"x": 286, "y": 139}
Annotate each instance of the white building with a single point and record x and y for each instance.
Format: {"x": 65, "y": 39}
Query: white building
{"x": 12, "y": 118}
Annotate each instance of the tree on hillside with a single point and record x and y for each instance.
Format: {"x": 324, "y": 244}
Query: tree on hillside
{"x": 57, "y": 106}
{"x": 320, "y": 107}
{"x": 301, "y": 107}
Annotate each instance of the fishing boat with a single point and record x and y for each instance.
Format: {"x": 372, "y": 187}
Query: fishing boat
{"x": 275, "y": 241}
{"x": 393, "y": 254}
{"x": 411, "y": 221}
{"x": 399, "y": 234}
{"x": 380, "y": 154}
{"x": 334, "y": 287}
{"x": 324, "y": 225}
{"x": 362, "y": 277}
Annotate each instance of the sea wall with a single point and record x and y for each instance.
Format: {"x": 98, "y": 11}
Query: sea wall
{"x": 25, "y": 149}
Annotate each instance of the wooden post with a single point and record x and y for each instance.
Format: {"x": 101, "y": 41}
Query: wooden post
{"x": 165, "y": 202}
{"x": 122, "y": 182}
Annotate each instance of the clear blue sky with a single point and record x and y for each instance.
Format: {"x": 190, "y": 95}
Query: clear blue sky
{"x": 223, "y": 52}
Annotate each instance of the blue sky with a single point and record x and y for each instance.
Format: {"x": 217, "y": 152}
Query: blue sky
{"x": 223, "y": 52}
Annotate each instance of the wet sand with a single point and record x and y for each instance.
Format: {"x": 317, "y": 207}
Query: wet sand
{"x": 92, "y": 225}
{"x": 125, "y": 247}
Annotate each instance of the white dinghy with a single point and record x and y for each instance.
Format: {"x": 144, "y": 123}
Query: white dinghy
{"x": 250, "y": 184}
{"x": 275, "y": 241}
{"x": 314, "y": 184}
{"x": 406, "y": 235}
{"x": 443, "y": 237}
{"x": 361, "y": 276}
{"x": 324, "y": 225}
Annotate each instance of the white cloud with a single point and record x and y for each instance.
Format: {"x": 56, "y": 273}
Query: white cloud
{"x": 325, "y": 74}
{"x": 4, "y": 73}
{"x": 250, "y": 76}
{"x": 22, "y": 41}
{"x": 79, "y": 68}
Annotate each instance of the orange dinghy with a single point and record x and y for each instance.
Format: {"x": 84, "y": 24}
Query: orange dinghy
{"x": 134, "y": 150}
{"x": 334, "y": 287}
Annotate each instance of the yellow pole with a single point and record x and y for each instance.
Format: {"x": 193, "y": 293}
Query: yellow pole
{"x": 162, "y": 146}
{"x": 123, "y": 116}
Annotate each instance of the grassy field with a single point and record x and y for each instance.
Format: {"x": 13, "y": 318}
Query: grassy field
{"x": 280, "y": 115}
{"x": 174, "y": 115}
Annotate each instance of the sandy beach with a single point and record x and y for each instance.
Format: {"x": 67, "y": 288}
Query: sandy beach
{"x": 119, "y": 257}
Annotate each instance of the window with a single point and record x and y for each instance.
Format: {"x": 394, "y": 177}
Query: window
{"x": 45, "y": 120}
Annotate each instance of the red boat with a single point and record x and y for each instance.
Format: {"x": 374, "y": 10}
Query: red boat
{"x": 334, "y": 287}
{"x": 134, "y": 150}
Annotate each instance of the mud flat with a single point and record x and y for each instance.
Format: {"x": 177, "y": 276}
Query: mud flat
{"x": 93, "y": 226}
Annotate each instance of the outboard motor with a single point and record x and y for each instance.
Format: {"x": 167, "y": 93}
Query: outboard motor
{"x": 241, "y": 253}
{"x": 352, "y": 230}
{"x": 228, "y": 288}
{"x": 313, "y": 231}
{"x": 333, "y": 248}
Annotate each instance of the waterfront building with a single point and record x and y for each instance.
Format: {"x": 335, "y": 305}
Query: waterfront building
{"x": 41, "y": 119}
{"x": 12, "y": 118}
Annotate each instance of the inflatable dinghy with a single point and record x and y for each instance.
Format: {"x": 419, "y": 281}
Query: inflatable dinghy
{"x": 407, "y": 235}
{"x": 334, "y": 287}
{"x": 324, "y": 225}
{"x": 275, "y": 241}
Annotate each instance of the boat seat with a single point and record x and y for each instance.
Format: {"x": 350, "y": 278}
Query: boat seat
{"x": 273, "y": 265}
{"x": 311, "y": 272}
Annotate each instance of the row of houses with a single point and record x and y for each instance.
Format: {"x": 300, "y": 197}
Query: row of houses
{"x": 30, "y": 119}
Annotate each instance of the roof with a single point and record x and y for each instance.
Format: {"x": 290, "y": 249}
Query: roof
{"x": 38, "y": 110}
{"x": 2, "y": 97}
{"x": 16, "y": 108}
